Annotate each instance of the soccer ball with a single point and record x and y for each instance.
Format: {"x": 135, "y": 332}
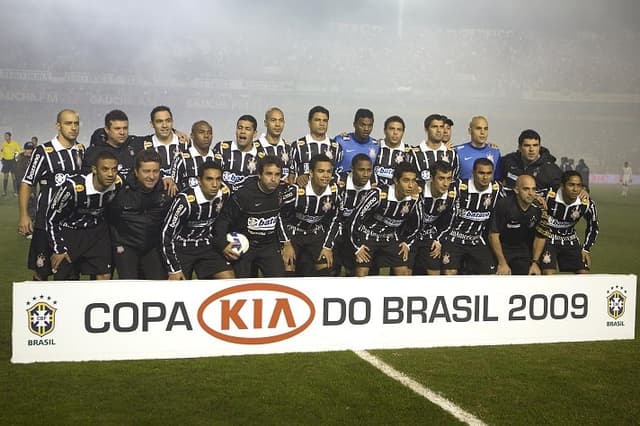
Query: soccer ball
{"x": 240, "y": 242}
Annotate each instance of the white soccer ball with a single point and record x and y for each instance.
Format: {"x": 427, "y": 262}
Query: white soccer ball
{"x": 240, "y": 242}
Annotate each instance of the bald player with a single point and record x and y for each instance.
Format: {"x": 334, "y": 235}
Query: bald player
{"x": 519, "y": 229}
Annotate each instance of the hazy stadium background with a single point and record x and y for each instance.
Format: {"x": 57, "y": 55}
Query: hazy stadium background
{"x": 568, "y": 69}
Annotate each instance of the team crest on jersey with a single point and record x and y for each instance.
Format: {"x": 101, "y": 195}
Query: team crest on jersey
{"x": 251, "y": 165}
{"x": 186, "y": 155}
{"x": 446, "y": 258}
{"x": 147, "y": 144}
{"x": 495, "y": 186}
{"x": 575, "y": 213}
{"x": 441, "y": 207}
{"x": 224, "y": 145}
{"x": 48, "y": 149}
{"x": 463, "y": 187}
{"x": 301, "y": 142}
{"x": 546, "y": 257}
{"x": 334, "y": 188}
{"x": 225, "y": 190}
{"x": 192, "y": 182}
{"x": 301, "y": 192}
{"x": 383, "y": 195}
{"x": 132, "y": 152}
{"x": 399, "y": 158}
{"x": 261, "y": 154}
{"x": 452, "y": 194}
{"x": 405, "y": 209}
{"x": 218, "y": 206}
{"x": 79, "y": 187}
{"x": 327, "y": 205}
{"x": 616, "y": 301}
{"x": 41, "y": 316}
{"x": 191, "y": 198}
{"x": 218, "y": 156}
{"x": 59, "y": 178}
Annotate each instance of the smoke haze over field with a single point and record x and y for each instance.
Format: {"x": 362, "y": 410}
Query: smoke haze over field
{"x": 568, "y": 69}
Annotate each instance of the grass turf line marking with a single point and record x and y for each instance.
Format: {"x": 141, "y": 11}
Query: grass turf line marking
{"x": 421, "y": 390}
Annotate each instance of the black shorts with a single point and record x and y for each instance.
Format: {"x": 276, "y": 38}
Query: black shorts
{"x": 518, "y": 259}
{"x": 8, "y": 166}
{"x": 563, "y": 258}
{"x": 133, "y": 265}
{"x": 478, "y": 260}
{"x": 420, "y": 257}
{"x": 89, "y": 250}
{"x": 307, "y": 248}
{"x": 267, "y": 259}
{"x": 343, "y": 253}
{"x": 205, "y": 261}
{"x": 383, "y": 253}
{"x": 40, "y": 254}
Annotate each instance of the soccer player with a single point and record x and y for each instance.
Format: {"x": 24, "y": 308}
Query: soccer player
{"x": 519, "y": 230}
{"x": 239, "y": 158}
{"x": 377, "y": 231}
{"x": 359, "y": 141}
{"x": 436, "y": 205}
{"x": 531, "y": 159}
{"x": 165, "y": 141}
{"x": 626, "y": 178}
{"x": 314, "y": 143}
{"x": 186, "y": 165}
{"x": 272, "y": 142}
{"x": 188, "y": 244}
{"x": 477, "y": 147}
{"x": 446, "y": 130}
{"x": 78, "y": 231}
{"x": 254, "y": 210}
{"x": 565, "y": 208}
{"x": 432, "y": 149}
{"x": 352, "y": 186}
{"x": 393, "y": 151}
{"x": 10, "y": 149}
{"x": 310, "y": 218}
{"x": 117, "y": 141}
{"x": 136, "y": 216}
{"x": 463, "y": 240}
{"x": 51, "y": 163}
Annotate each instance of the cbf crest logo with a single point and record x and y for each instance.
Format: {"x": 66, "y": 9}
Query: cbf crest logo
{"x": 41, "y": 315}
{"x": 616, "y": 301}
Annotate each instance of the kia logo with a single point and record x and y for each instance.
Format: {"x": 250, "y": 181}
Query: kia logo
{"x": 256, "y": 314}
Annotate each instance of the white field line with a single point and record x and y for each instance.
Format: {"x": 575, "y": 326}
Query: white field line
{"x": 421, "y": 390}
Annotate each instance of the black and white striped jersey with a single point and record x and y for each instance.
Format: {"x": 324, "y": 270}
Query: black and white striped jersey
{"x": 167, "y": 151}
{"x": 306, "y": 213}
{"x": 282, "y": 150}
{"x": 190, "y": 222}
{"x": 186, "y": 165}
{"x": 77, "y": 204}
{"x": 424, "y": 157}
{"x": 563, "y": 218}
{"x": 350, "y": 195}
{"x": 304, "y": 149}
{"x": 436, "y": 212}
{"x": 50, "y": 165}
{"x": 237, "y": 164}
{"x": 471, "y": 216}
{"x": 380, "y": 216}
{"x": 387, "y": 160}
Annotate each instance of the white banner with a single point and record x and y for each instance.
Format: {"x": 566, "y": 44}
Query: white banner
{"x": 110, "y": 320}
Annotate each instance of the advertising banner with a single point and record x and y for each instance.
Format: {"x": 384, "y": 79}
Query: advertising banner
{"x": 117, "y": 320}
